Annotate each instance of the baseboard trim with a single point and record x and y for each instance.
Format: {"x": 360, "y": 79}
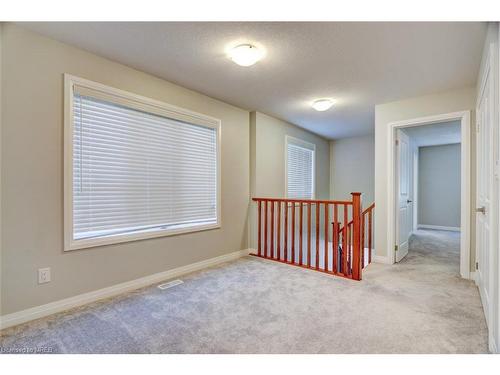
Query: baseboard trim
{"x": 438, "y": 227}
{"x": 381, "y": 259}
{"x": 492, "y": 346}
{"x": 41, "y": 311}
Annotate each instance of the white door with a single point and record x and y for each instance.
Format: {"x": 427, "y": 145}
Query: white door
{"x": 404, "y": 212}
{"x": 484, "y": 190}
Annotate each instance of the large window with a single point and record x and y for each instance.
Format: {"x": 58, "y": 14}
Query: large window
{"x": 300, "y": 169}
{"x": 135, "y": 167}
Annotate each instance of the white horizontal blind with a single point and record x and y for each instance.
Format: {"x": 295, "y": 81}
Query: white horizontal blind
{"x": 300, "y": 170}
{"x": 137, "y": 171}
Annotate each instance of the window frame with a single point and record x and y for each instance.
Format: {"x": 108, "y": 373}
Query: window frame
{"x": 160, "y": 108}
{"x": 301, "y": 143}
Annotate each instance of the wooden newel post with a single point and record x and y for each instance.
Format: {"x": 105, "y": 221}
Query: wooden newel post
{"x": 356, "y": 236}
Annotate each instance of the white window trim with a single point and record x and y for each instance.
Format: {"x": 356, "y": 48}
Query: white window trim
{"x": 166, "y": 110}
{"x": 298, "y": 141}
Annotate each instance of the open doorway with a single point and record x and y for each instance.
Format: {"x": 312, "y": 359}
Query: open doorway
{"x": 429, "y": 188}
{"x": 428, "y": 184}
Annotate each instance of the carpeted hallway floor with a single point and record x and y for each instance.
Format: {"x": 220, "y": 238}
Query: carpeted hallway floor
{"x": 420, "y": 305}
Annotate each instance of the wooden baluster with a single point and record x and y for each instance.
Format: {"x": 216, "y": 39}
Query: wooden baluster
{"x": 335, "y": 239}
{"x": 317, "y": 235}
{"x": 293, "y": 232}
{"x": 278, "y": 244}
{"x": 363, "y": 241}
{"x": 301, "y": 213}
{"x": 349, "y": 246}
{"x": 265, "y": 229}
{"x": 325, "y": 265}
{"x": 259, "y": 225}
{"x": 356, "y": 232}
{"x": 347, "y": 249}
{"x": 335, "y": 246}
{"x": 370, "y": 236}
{"x": 345, "y": 271}
{"x": 285, "y": 229}
{"x": 271, "y": 250}
{"x": 309, "y": 234}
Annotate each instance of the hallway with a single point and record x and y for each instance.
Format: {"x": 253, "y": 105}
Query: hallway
{"x": 251, "y": 305}
{"x": 437, "y": 250}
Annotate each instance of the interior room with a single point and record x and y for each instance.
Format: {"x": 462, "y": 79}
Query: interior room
{"x": 249, "y": 187}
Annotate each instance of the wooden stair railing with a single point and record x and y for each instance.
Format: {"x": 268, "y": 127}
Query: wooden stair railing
{"x": 298, "y": 232}
{"x": 366, "y": 231}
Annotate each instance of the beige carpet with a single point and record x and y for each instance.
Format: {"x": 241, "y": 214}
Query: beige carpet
{"x": 256, "y": 306}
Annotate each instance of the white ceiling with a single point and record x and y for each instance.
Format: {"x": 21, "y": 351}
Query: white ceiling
{"x": 357, "y": 64}
{"x": 442, "y": 133}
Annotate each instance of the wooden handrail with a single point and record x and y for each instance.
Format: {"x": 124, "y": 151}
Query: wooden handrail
{"x": 312, "y": 201}
{"x": 368, "y": 209}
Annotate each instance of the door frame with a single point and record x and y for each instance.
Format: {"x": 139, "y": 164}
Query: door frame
{"x": 465, "y": 181}
{"x": 415, "y": 156}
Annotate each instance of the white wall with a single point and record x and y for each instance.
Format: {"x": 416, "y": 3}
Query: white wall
{"x": 353, "y": 168}
{"x": 439, "y": 185}
{"x": 446, "y": 102}
{"x": 32, "y": 177}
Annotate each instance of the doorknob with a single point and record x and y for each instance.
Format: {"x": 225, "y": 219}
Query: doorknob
{"x": 409, "y": 201}
{"x": 481, "y": 209}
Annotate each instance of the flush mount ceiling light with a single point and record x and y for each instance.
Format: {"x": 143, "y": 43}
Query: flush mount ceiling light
{"x": 245, "y": 54}
{"x": 322, "y": 104}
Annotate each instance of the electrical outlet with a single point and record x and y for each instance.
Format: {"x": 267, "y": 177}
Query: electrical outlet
{"x": 43, "y": 275}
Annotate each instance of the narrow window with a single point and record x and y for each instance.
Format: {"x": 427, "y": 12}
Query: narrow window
{"x": 300, "y": 169}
